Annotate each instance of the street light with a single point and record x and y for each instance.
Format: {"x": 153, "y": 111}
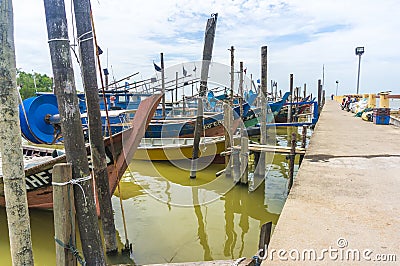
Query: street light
{"x": 359, "y": 52}
{"x": 337, "y": 84}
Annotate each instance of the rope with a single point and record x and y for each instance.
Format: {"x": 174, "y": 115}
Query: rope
{"x": 57, "y": 40}
{"x": 80, "y": 40}
{"x": 72, "y": 249}
{"x": 75, "y": 182}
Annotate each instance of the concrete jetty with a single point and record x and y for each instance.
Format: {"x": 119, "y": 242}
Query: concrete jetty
{"x": 344, "y": 206}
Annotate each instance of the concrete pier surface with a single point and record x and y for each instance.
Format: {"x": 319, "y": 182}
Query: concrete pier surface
{"x": 344, "y": 206}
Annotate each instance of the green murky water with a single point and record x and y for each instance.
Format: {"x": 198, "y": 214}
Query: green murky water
{"x": 165, "y": 223}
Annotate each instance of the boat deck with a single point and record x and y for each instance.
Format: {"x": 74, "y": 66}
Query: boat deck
{"x": 345, "y": 196}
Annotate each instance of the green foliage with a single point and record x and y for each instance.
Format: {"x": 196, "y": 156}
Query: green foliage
{"x": 26, "y": 83}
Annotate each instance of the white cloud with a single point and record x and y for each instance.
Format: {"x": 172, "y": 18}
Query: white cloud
{"x": 301, "y": 36}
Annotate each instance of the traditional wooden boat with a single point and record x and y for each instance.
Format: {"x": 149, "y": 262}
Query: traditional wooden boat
{"x": 172, "y": 149}
{"x": 184, "y": 127}
{"x": 253, "y": 114}
{"x": 38, "y": 170}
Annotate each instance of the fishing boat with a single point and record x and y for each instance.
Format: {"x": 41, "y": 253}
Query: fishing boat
{"x": 40, "y": 161}
{"x": 303, "y": 107}
{"x": 173, "y": 149}
{"x": 253, "y": 115}
{"x": 184, "y": 127}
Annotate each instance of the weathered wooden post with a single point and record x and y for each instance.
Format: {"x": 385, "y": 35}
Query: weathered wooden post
{"x": 163, "y": 84}
{"x": 292, "y": 156}
{"x": 71, "y": 126}
{"x": 289, "y": 114}
{"x": 19, "y": 230}
{"x": 244, "y": 141}
{"x": 85, "y": 30}
{"x": 305, "y": 91}
{"x": 232, "y": 74}
{"x": 228, "y": 136}
{"x": 296, "y": 113}
{"x": 303, "y": 142}
{"x": 263, "y": 117}
{"x": 176, "y": 88}
{"x": 319, "y": 96}
{"x": 64, "y": 213}
{"x": 205, "y": 66}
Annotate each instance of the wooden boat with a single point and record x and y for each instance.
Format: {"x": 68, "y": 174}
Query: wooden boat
{"x": 253, "y": 115}
{"x": 38, "y": 176}
{"x": 171, "y": 149}
{"x": 184, "y": 128}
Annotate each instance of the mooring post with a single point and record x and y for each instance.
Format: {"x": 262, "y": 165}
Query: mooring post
{"x": 64, "y": 214}
{"x": 319, "y": 96}
{"x": 228, "y": 137}
{"x": 289, "y": 114}
{"x": 264, "y": 103}
{"x": 235, "y": 157}
{"x": 85, "y": 29}
{"x": 323, "y": 99}
{"x": 291, "y": 159}
{"x": 71, "y": 126}
{"x": 303, "y": 142}
{"x": 162, "y": 84}
{"x": 244, "y": 159}
{"x": 265, "y": 237}
{"x": 296, "y": 116}
{"x": 11, "y": 145}
{"x": 176, "y": 88}
{"x": 205, "y": 66}
{"x": 305, "y": 92}
{"x": 244, "y": 141}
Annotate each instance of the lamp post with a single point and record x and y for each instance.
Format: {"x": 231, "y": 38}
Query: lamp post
{"x": 337, "y": 85}
{"x": 359, "y": 52}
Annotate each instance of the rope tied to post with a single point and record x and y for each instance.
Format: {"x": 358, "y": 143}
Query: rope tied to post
{"x": 81, "y": 40}
{"x": 75, "y": 182}
{"x": 72, "y": 249}
{"x": 58, "y": 40}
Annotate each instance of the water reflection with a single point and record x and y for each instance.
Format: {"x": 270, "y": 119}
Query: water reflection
{"x": 226, "y": 228}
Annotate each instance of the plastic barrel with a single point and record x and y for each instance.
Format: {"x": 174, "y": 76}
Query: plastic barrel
{"x": 32, "y": 118}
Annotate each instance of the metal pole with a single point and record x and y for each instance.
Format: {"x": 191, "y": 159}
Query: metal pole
{"x": 358, "y": 76}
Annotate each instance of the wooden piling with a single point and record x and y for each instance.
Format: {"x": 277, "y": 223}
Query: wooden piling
{"x": 11, "y": 146}
{"x": 319, "y": 96}
{"x": 244, "y": 159}
{"x": 71, "y": 126}
{"x": 162, "y": 84}
{"x": 265, "y": 237}
{"x": 263, "y": 100}
{"x": 228, "y": 136}
{"x": 176, "y": 88}
{"x": 303, "y": 142}
{"x": 291, "y": 160}
{"x": 289, "y": 114}
{"x": 232, "y": 74}
{"x": 235, "y": 159}
{"x": 207, "y": 55}
{"x": 64, "y": 214}
{"x": 85, "y": 29}
{"x": 244, "y": 141}
{"x": 305, "y": 92}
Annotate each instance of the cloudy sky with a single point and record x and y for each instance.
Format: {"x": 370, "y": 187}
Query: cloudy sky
{"x": 301, "y": 36}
